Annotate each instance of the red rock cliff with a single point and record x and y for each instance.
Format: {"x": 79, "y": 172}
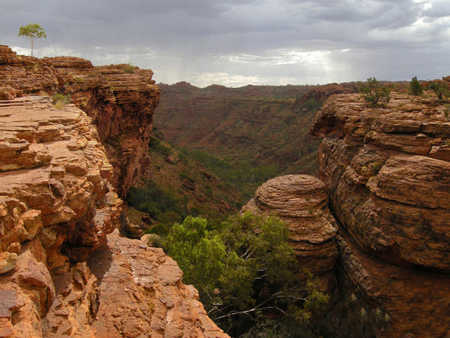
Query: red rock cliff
{"x": 387, "y": 171}
{"x": 63, "y": 271}
{"x": 119, "y": 98}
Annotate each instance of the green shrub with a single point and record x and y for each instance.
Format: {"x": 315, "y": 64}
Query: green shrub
{"x": 374, "y": 93}
{"x": 447, "y": 111}
{"x": 312, "y": 104}
{"x": 440, "y": 88}
{"x": 60, "y": 97}
{"x": 415, "y": 87}
{"x": 128, "y": 68}
{"x": 153, "y": 240}
{"x": 156, "y": 201}
{"x": 60, "y": 100}
{"x": 159, "y": 147}
{"x": 234, "y": 264}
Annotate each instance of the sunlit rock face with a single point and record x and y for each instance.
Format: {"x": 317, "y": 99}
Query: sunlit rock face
{"x": 301, "y": 202}
{"x": 387, "y": 174}
{"x": 120, "y": 99}
{"x": 63, "y": 271}
{"x": 56, "y": 206}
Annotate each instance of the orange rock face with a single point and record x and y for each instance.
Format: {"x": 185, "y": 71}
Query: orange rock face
{"x": 60, "y": 276}
{"x": 55, "y": 200}
{"x": 120, "y": 99}
{"x": 387, "y": 173}
{"x": 142, "y": 292}
{"x": 301, "y": 202}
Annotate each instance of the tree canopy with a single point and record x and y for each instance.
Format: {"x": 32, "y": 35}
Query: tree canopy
{"x": 32, "y": 31}
{"x": 242, "y": 267}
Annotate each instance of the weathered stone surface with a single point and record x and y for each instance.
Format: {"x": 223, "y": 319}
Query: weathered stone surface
{"x": 57, "y": 207}
{"x": 387, "y": 173}
{"x": 301, "y": 201}
{"x": 391, "y": 161}
{"x": 8, "y": 262}
{"x": 119, "y": 98}
{"x": 47, "y": 206}
{"x": 140, "y": 291}
{"x": 415, "y": 303}
{"x": 34, "y": 198}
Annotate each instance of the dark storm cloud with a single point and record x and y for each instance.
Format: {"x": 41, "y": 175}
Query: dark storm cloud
{"x": 235, "y": 42}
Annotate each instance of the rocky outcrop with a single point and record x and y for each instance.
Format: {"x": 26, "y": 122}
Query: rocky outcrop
{"x": 55, "y": 200}
{"x": 61, "y": 274}
{"x": 142, "y": 293}
{"x": 387, "y": 174}
{"x": 301, "y": 202}
{"x": 119, "y": 98}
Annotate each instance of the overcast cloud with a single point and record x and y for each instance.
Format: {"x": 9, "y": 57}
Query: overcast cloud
{"x": 237, "y": 42}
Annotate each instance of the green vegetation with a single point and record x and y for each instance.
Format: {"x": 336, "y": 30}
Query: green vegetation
{"x": 60, "y": 100}
{"x": 447, "y": 111}
{"x": 243, "y": 267}
{"x": 161, "y": 205}
{"x": 374, "y": 93}
{"x": 32, "y": 31}
{"x": 415, "y": 87}
{"x": 128, "y": 68}
{"x": 313, "y": 104}
{"x": 264, "y": 126}
{"x": 157, "y": 145}
{"x": 440, "y": 88}
{"x": 241, "y": 175}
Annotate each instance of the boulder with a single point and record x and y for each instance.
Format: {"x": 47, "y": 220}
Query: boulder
{"x": 301, "y": 202}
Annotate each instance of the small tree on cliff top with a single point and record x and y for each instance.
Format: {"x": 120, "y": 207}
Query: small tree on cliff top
{"x": 440, "y": 88}
{"x": 374, "y": 93}
{"x": 415, "y": 87}
{"x": 32, "y": 31}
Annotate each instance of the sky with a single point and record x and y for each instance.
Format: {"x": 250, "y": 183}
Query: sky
{"x": 239, "y": 42}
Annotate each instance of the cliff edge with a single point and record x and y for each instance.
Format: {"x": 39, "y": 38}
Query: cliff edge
{"x": 120, "y": 99}
{"x": 387, "y": 172}
{"x": 64, "y": 271}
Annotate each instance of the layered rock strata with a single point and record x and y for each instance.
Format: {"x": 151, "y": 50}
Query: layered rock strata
{"x": 387, "y": 173}
{"x": 301, "y": 202}
{"x": 55, "y": 200}
{"x": 60, "y": 275}
{"x": 120, "y": 99}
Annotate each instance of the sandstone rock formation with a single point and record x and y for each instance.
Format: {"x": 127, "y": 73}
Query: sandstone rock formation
{"x": 55, "y": 200}
{"x": 60, "y": 275}
{"x": 301, "y": 201}
{"x": 119, "y": 98}
{"x": 142, "y": 293}
{"x": 387, "y": 174}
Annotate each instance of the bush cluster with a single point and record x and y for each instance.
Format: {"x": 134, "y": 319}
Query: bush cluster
{"x": 234, "y": 264}
{"x": 242, "y": 176}
{"x": 162, "y": 206}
